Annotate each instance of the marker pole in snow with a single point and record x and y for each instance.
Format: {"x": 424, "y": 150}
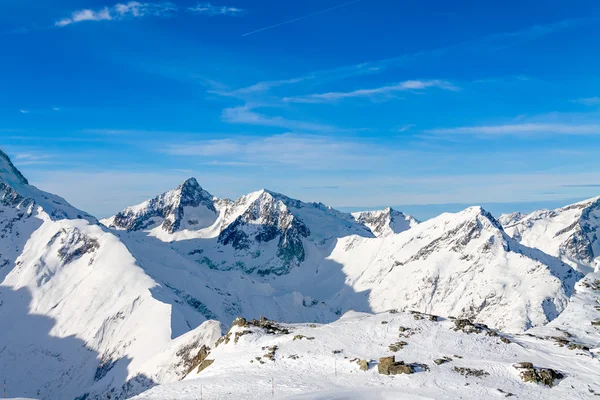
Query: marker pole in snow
{"x": 5, "y": 396}
{"x": 273, "y": 387}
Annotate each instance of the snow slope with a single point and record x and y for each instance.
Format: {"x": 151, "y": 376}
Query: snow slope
{"x": 320, "y": 362}
{"x": 79, "y": 316}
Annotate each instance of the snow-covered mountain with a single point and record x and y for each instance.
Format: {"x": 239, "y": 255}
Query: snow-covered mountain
{"x": 135, "y": 301}
{"x": 461, "y": 264}
{"x": 571, "y": 233}
{"x": 385, "y": 222}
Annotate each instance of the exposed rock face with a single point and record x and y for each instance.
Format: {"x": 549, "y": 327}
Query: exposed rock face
{"x": 168, "y": 209}
{"x": 10, "y": 198}
{"x": 363, "y": 365}
{"x": 385, "y": 222}
{"x": 545, "y": 376}
{"x": 265, "y": 219}
{"x": 75, "y": 244}
{"x": 205, "y": 364}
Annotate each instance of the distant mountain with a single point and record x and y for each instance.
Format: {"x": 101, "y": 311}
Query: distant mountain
{"x": 385, "y": 222}
{"x": 571, "y": 233}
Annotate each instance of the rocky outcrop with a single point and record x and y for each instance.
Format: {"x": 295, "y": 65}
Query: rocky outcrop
{"x": 545, "y": 376}
{"x": 464, "y": 371}
{"x": 388, "y": 366}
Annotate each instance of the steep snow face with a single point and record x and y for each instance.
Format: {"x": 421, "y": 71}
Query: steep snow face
{"x": 15, "y": 188}
{"x": 8, "y": 173}
{"x": 571, "y": 233}
{"x": 462, "y": 265}
{"x": 186, "y": 207}
{"x": 324, "y": 362}
{"x": 385, "y": 222}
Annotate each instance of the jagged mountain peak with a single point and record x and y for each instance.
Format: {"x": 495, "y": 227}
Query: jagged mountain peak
{"x": 385, "y": 222}
{"x": 186, "y": 206}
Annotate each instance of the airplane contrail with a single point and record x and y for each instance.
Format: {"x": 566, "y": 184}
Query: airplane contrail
{"x": 300, "y": 18}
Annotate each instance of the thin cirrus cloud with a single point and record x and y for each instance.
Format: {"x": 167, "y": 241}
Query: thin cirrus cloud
{"x": 135, "y": 9}
{"x": 482, "y": 44}
{"x": 411, "y": 85}
{"x": 246, "y": 115}
{"x": 522, "y": 129}
{"x": 209, "y": 9}
{"x": 298, "y": 150}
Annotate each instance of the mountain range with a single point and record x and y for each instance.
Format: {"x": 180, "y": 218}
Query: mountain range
{"x": 137, "y": 301}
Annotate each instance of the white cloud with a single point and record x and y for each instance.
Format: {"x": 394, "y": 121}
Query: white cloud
{"x": 132, "y": 9}
{"x": 372, "y": 93}
{"x": 209, "y": 9}
{"x": 522, "y": 129}
{"x": 246, "y": 115}
{"x": 24, "y": 111}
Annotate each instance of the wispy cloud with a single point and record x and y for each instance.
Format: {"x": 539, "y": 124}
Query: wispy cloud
{"x": 247, "y": 115}
{"x": 24, "y": 111}
{"x": 258, "y": 88}
{"x": 487, "y": 43}
{"x": 406, "y": 127}
{"x": 132, "y": 9}
{"x": 300, "y": 18}
{"x": 588, "y": 101}
{"x": 298, "y": 150}
{"x": 31, "y": 158}
{"x": 413, "y": 85}
{"x": 522, "y": 129}
{"x": 209, "y": 9}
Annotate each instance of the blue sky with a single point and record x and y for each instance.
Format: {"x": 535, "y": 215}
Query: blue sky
{"x": 427, "y": 105}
